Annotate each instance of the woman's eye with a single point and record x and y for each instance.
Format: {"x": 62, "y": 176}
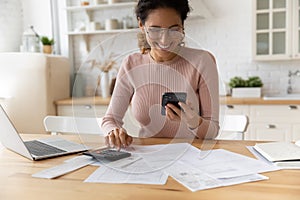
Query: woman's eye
{"x": 174, "y": 29}
{"x": 155, "y": 30}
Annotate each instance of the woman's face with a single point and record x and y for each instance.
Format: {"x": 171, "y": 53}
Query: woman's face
{"x": 164, "y": 32}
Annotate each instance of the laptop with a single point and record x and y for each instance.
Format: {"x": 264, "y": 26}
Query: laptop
{"x": 35, "y": 149}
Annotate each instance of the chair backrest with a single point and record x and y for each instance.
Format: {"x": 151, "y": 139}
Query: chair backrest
{"x": 72, "y": 125}
{"x": 233, "y": 127}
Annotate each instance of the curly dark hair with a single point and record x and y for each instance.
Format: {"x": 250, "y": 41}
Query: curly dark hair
{"x": 144, "y": 7}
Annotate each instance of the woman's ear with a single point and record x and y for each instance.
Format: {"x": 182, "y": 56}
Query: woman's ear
{"x": 141, "y": 26}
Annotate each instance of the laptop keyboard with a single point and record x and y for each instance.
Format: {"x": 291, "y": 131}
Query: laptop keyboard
{"x": 41, "y": 149}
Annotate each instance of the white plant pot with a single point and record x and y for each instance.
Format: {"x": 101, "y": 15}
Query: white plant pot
{"x": 247, "y": 92}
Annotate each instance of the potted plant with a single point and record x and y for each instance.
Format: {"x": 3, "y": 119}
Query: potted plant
{"x": 250, "y": 87}
{"x": 47, "y": 44}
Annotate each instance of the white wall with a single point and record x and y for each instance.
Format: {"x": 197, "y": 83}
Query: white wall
{"x": 38, "y": 14}
{"x": 15, "y": 18}
{"x": 228, "y": 35}
{"x": 10, "y": 25}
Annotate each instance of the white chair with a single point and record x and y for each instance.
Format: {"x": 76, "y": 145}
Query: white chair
{"x": 72, "y": 125}
{"x": 233, "y": 127}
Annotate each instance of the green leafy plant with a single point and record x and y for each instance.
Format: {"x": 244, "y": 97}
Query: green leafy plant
{"x": 253, "y": 81}
{"x": 47, "y": 41}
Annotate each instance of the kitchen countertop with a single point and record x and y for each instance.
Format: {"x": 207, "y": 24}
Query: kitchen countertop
{"x": 227, "y": 100}
{"x": 224, "y": 100}
{"x": 83, "y": 101}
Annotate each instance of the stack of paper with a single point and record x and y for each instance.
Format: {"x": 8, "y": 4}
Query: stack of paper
{"x": 185, "y": 164}
{"x": 283, "y": 154}
{"x": 193, "y": 168}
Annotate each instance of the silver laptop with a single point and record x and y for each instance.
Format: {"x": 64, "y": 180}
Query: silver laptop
{"x": 35, "y": 149}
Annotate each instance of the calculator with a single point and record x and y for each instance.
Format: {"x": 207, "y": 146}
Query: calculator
{"x": 108, "y": 154}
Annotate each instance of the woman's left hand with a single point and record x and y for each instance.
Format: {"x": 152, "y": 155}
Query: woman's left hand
{"x": 190, "y": 117}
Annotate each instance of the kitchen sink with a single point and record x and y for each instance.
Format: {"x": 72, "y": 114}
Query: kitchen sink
{"x": 282, "y": 97}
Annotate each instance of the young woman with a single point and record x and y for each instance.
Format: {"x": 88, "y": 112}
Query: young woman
{"x": 164, "y": 66}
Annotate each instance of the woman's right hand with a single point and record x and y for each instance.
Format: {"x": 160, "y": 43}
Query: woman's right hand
{"x": 118, "y": 138}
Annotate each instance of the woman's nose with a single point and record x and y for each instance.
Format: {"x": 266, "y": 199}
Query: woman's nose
{"x": 164, "y": 35}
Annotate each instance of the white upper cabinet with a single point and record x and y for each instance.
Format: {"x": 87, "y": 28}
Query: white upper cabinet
{"x": 276, "y": 29}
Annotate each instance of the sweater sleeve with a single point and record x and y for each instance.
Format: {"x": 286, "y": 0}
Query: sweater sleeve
{"x": 120, "y": 100}
{"x": 208, "y": 98}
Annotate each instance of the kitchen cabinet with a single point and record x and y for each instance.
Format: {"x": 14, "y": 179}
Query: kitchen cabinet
{"x": 273, "y": 122}
{"x": 270, "y": 122}
{"x": 237, "y": 109}
{"x": 266, "y": 132}
{"x": 82, "y": 107}
{"x": 87, "y": 110}
{"x": 276, "y": 26}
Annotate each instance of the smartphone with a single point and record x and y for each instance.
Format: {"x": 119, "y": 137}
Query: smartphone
{"x": 173, "y": 98}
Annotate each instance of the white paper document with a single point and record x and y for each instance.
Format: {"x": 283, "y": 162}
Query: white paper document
{"x": 195, "y": 179}
{"x": 109, "y": 175}
{"x": 280, "y": 165}
{"x": 68, "y": 166}
{"x": 132, "y": 170}
{"x": 159, "y": 157}
{"x": 195, "y": 169}
{"x": 192, "y": 178}
{"x": 185, "y": 163}
{"x": 220, "y": 163}
{"x": 145, "y": 167}
{"x": 288, "y": 164}
{"x": 243, "y": 179}
{"x": 258, "y": 155}
{"x": 279, "y": 151}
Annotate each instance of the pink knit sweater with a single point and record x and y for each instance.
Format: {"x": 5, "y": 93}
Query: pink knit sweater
{"x": 141, "y": 81}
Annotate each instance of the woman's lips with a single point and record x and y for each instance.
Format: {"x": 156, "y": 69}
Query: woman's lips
{"x": 163, "y": 46}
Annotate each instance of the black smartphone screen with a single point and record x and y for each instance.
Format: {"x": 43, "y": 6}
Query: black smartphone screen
{"x": 173, "y": 98}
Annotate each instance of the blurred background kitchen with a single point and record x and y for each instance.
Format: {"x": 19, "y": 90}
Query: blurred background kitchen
{"x": 249, "y": 38}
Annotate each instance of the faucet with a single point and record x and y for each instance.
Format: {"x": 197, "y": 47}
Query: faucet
{"x": 290, "y": 75}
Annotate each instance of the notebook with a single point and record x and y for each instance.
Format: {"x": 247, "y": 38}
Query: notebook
{"x": 36, "y": 149}
{"x": 279, "y": 151}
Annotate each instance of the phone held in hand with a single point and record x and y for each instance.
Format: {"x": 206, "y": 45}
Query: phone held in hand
{"x": 173, "y": 98}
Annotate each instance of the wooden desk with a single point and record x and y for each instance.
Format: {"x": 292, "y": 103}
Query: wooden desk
{"x": 16, "y": 181}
